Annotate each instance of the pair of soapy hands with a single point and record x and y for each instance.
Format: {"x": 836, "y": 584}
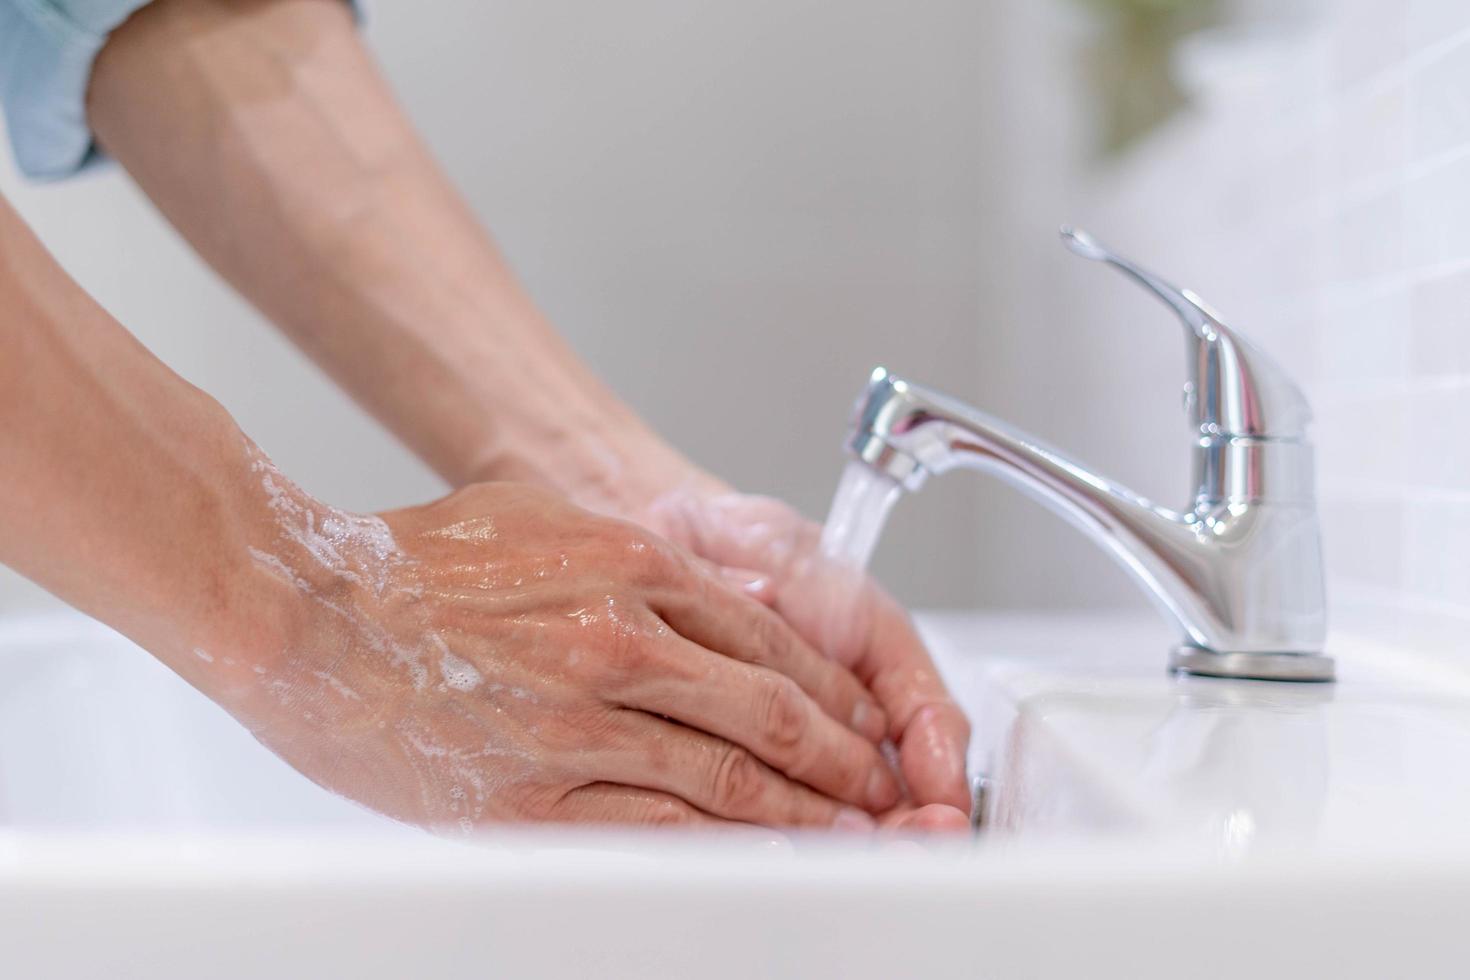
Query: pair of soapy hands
{"x": 503, "y": 655}
{"x": 679, "y": 653}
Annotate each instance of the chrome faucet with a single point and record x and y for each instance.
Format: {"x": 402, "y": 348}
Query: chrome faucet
{"x": 1240, "y": 571}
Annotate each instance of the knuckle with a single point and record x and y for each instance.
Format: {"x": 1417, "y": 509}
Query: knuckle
{"x": 782, "y": 715}
{"x": 648, "y": 557}
{"x": 620, "y": 646}
{"x": 737, "y": 780}
{"x": 625, "y": 658}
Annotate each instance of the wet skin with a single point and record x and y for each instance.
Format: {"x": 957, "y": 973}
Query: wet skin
{"x": 262, "y": 130}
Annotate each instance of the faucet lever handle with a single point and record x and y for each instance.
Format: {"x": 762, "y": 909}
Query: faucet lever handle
{"x": 1191, "y": 309}
{"x": 1234, "y": 387}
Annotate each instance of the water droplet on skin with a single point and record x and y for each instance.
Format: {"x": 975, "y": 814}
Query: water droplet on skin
{"x": 477, "y": 530}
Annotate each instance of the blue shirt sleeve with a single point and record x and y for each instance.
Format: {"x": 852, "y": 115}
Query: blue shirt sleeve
{"x": 46, "y": 52}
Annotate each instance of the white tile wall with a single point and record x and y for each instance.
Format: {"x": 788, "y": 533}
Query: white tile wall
{"x": 1321, "y": 191}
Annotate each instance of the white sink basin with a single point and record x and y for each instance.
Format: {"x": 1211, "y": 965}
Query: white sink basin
{"x": 1082, "y": 732}
{"x": 1136, "y": 824}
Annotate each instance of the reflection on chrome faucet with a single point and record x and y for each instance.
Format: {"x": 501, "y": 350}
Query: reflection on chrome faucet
{"x": 1240, "y": 570}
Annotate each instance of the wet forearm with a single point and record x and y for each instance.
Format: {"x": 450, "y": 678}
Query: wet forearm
{"x": 124, "y": 489}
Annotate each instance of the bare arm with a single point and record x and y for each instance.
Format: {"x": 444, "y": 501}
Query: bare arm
{"x": 263, "y": 131}
{"x": 496, "y": 655}
{"x": 123, "y": 487}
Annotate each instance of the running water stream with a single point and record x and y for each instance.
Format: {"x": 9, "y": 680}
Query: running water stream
{"x": 859, "y": 510}
{"x": 854, "y": 523}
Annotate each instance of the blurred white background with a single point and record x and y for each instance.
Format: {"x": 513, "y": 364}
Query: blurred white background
{"x": 735, "y": 210}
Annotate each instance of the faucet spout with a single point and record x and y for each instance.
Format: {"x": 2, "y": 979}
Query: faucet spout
{"x": 1240, "y": 569}
{"x": 1242, "y": 579}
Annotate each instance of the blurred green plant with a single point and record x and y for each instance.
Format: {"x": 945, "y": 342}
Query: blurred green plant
{"x": 1131, "y": 65}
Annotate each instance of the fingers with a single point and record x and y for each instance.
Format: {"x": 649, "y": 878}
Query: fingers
{"x": 853, "y": 622}
{"x": 720, "y": 778}
{"x": 935, "y": 818}
{"x": 747, "y": 581}
{"x": 931, "y": 732}
{"x": 719, "y": 619}
{"x": 610, "y": 803}
{"x": 771, "y": 717}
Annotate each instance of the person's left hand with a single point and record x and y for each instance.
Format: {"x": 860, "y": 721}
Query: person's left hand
{"x": 775, "y": 554}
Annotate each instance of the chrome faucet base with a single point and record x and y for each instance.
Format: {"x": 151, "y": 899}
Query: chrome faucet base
{"x": 1299, "y": 667}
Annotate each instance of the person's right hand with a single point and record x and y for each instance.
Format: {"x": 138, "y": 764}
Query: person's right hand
{"x": 501, "y": 655}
